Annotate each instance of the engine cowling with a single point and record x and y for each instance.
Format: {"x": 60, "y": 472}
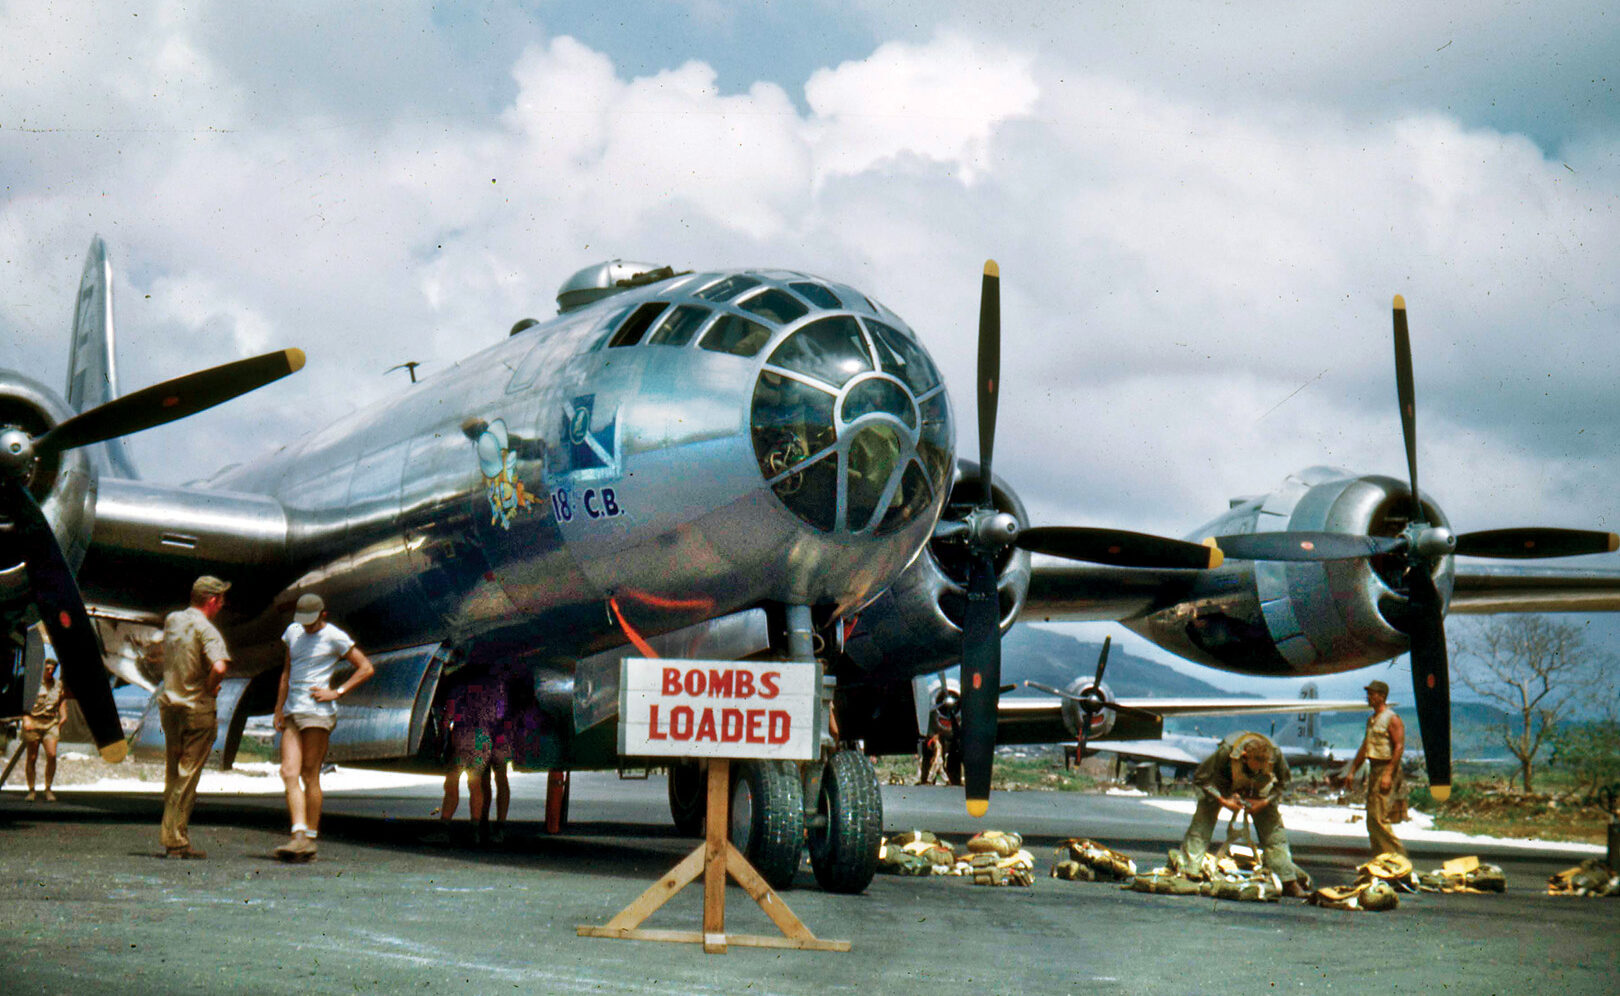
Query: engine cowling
{"x": 1301, "y": 618}
{"x": 915, "y": 627}
{"x": 1102, "y": 721}
{"x": 63, "y": 484}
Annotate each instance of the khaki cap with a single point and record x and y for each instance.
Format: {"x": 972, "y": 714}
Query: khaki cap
{"x": 208, "y": 586}
{"x": 1377, "y": 686}
{"x": 309, "y": 609}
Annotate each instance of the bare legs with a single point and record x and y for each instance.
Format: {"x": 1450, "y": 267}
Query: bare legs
{"x": 302, "y": 754}
{"x": 50, "y": 766}
{"x": 480, "y": 797}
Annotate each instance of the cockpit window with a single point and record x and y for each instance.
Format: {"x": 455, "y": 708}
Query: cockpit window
{"x": 637, "y": 324}
{"x": 736, "y": 335}
{"x": 934, "y": 442}
{"x": 873, "y": 455}
{"x": 900, "y": 356}
{"x": 812, "y": 492}
{"x": 792, "y": 423}
{"x": 851, "y": 426}
{"x": 776, "y": 306}
{"x": 817, "y": 295}
{"x": 678, "y": 325}
{"x": 728, "y": 288}
{"x": 878, "y": 394}
{"x": 908, "y": 502}
{"x": 831, "y": 349}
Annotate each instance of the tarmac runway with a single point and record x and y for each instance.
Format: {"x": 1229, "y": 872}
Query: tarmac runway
{"x": 87, "y": 905}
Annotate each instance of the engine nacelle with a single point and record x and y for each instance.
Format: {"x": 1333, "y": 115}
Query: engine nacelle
{"x": 1102, "y": 721}
{"x": 1262, "y": 617}
{"x": 915, "y": 627}
{"x": 64, "y": 485}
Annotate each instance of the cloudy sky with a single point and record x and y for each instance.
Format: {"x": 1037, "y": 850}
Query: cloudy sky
{"x": 1201, "y": 212}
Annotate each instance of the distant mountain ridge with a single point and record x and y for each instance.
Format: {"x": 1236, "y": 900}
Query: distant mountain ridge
{"x": 1031, "y": 654}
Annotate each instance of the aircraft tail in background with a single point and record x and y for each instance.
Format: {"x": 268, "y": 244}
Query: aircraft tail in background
{"x": 1303, "y": 730}
{"x": 92, "y": 372}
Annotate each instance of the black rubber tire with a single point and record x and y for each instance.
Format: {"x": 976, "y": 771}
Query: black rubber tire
{"x": 848, "y": 832}
{"x": 767, "y": 818}
{"x": 688, "y": 797}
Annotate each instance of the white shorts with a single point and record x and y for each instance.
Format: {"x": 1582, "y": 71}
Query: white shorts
{"x": 311, "y": 721}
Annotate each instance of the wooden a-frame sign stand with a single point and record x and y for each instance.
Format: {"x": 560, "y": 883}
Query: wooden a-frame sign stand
{"x": 714, "y": 859}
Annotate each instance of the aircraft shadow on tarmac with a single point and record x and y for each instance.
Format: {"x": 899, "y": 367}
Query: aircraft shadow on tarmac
{"x": 611, "y": 848}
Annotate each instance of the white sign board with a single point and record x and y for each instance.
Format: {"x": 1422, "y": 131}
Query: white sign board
{"x": 732, "y": 709}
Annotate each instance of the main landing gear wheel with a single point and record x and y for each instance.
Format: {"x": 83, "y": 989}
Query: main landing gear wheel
{"x": 767, "y": 818}
{"x": 848, "y": 828}
{"x": 688, "y": 797}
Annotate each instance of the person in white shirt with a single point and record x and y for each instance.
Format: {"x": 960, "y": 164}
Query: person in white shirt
{"x": 306, "y": 713}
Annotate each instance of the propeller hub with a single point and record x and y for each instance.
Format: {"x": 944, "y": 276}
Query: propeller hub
{"x": 993, "y": 529}
{"x": 16, "y": 453}
{"x": 1434, "y": 541}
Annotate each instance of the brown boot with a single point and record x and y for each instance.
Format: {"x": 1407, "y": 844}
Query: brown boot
{"x": 298, "y": 848}
{"x": 187, "y": 853}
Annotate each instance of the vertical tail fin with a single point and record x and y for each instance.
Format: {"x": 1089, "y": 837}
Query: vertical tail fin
{"x": 92, "y": 373}
{"x": 1304, "y": 731}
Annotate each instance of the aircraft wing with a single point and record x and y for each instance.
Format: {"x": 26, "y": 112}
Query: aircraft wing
{"x": 1480, "y": 590}
{"x": 1069, "y": 591}
{"x": 1146, "y": 750}
{"x": 1241, "y": 707}
{"x": 1029, "y": 720}
{"x": 1062, "y": 591}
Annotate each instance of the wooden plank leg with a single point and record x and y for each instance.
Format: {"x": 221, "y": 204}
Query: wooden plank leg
{"x": 716, "y": 847}
{"x": 645, "y": 905}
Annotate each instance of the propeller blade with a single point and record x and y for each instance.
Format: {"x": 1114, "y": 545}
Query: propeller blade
{"x": 1102, "y": 660}
{"x": 1431, "y": 686}
{"x": 981, "y": 681}
{"x": 1306, "y": 547}
{"x": 1531, "y": 543}
{"x": 1118, "y": 547}
{"x": 170, "y": 400}
{"x": 1048, "y": 689}
{"x": 989, "y": 372}
{"x": 1406, "y": 393}
{"x": 62, "y": 610}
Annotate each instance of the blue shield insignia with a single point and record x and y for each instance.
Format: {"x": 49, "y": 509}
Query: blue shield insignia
{"x": 591, "y": 452}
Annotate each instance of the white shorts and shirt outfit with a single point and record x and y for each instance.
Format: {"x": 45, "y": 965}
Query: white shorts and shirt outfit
{"x": 312, "y": 661}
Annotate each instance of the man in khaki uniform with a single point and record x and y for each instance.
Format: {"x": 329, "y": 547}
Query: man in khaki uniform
{"x": 43, "y": 725}
{"x": 194, "y": 664}
{"x": 1381, "y": 748}
{"x": 1246, "y": 772}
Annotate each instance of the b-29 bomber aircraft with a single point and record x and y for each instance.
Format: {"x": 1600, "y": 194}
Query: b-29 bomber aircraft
{"x": 702, "y": 465}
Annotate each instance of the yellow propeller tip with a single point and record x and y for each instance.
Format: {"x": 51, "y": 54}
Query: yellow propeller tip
{"x": 115, "y": 752}
{"x": 295, "y": 360}
{"x": 991, "y": 269}
{"x": 978, "y": 807}
{"x": 1400, "y": 303}
{"x": 1216, "y": 557}
{"x": 1614, "y": 542}
{"x": 1440, "y": 792}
